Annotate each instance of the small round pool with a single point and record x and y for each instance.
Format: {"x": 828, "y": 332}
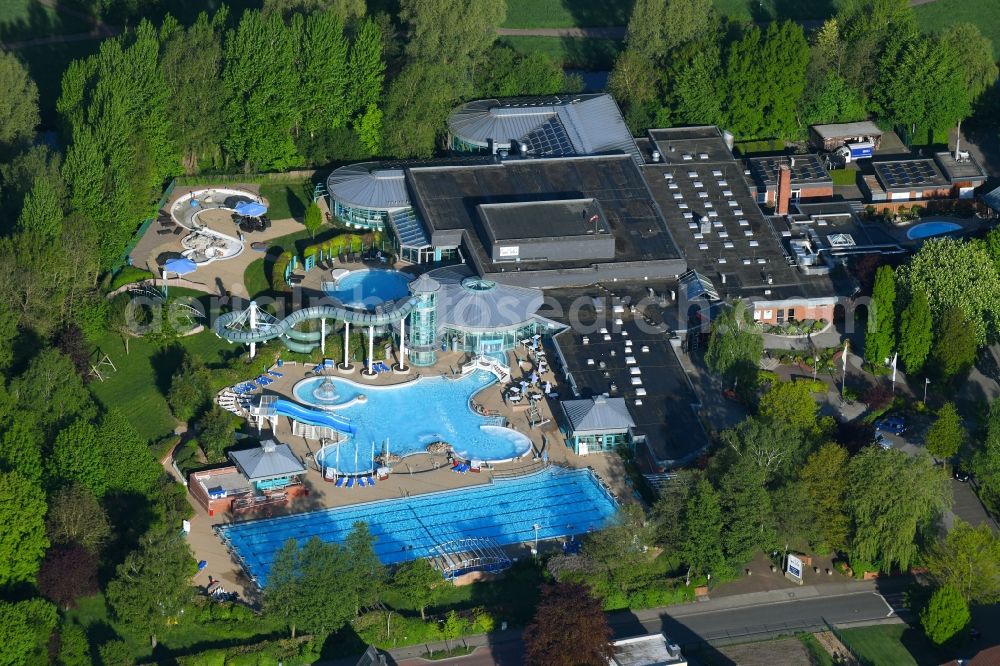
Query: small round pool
{"x": 370, "y": 287}
{"x": 932, "y": 228}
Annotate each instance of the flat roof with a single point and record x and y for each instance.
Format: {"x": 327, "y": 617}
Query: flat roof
{"x": 651, "y": 650}
{"x": 448, "y": 197}
{"x": 847, "y": 130}
{"x": 959, "y": 170}
{"x": 544, "y": 219}
{"x": 691, "y": 145}
{"x": 905, "y": 174}
{"x": 806, "y": 170}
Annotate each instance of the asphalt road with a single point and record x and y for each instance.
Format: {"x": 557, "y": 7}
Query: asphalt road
{"x": 748, "y": 617}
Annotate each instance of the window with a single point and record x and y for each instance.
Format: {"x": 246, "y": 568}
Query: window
{"x": 768, "y": 314}
{"x": 791, "y": 314}
{"x": 781, "y": 316}
{"x": 796, "y": 194}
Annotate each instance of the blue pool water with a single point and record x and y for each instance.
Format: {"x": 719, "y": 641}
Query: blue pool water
{"x": 410, "y": 416}
{"x": 370, "y": 287}
{"x": 561, "y": 502}
{"x": 933, "y": 228}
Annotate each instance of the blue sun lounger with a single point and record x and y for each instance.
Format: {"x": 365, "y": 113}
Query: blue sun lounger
{"x": 350, "y": 482}
{"x": 361, "y": 481}
{"x": 340, "y": 482}
{"x": 371, "y": 480}
{"x": 275, "y": 373}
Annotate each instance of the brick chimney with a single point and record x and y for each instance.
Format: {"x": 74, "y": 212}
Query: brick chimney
{"x": 784, "y": 189}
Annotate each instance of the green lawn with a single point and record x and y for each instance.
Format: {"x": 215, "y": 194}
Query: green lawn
{"x": 566, "y": 13}
{"x": 28, "y": 19}
{"x": 595, "y": 55}
{"x": 844, "y": 176}
{"x": 287, "y": 199}
{"x": 817, "y": 653}
{"x": 940, "y": 14}
{"x": 139, "y": 386}
{"x": 885, "y": 644}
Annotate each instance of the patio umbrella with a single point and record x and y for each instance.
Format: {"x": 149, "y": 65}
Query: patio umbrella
{"x": 250, "y": 208}
{"x": 180, "y": 266}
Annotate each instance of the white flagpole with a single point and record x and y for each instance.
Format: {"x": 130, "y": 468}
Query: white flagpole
{"x": 895, "y": 357}
{"x": 843, "y": 381}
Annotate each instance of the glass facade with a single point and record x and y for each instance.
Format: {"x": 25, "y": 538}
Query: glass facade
{"x": 460, "y": 145}
{"x": 602, "y": 442}
{"x": 423, "y": 330}
{"x": 490, "y": 342}
{"x": 365, "y": 218}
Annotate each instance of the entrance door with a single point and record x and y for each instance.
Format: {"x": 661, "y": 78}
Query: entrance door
{"x": 490, "y": 346}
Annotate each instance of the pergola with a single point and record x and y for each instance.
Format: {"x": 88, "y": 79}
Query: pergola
{"x": 454, "y": 558}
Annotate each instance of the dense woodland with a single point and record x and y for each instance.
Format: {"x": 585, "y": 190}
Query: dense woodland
{"x": 87, "y": 508}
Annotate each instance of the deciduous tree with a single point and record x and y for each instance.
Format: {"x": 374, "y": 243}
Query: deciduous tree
{"x": 450, "y": 32}
{"x": 25, "y": 630}
{"x": 736, "y": 344}
{"x": 824, "y": 480}
{"x": 417, "y": 582}
{"x": 880, "y": 332}
{"x": 569, "y": 629}
{"x": 968, "y": 559}
{"x": 747, "y": 514}
{"x": 954, "y": 349}
{"x": 22, "y": 529}
{"x": 892, "y": 497}
{"x": 703, "y": 546}
{"x": 19, "y": 103}
{"x": 915, "y": 332}
{"x": 947, "y": 434}
{"x": 945, "y": 615}
{"x": 75, "y": 516}
{"x": 68, "y": 573}
{"x": 974, "y": 52}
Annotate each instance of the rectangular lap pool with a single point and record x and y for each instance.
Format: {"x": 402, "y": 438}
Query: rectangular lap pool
{"x": 561, "y": 502}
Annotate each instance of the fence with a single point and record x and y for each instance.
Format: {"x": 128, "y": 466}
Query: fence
{"x": 141, "y": 231}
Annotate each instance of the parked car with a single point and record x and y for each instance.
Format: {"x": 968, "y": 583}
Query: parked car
{"x": 893, "y": 424}
{"x": 882, "y": 441}
{"x": 962, "y": 475}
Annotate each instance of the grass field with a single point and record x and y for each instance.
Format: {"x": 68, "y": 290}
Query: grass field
{"x": 940, "y": 14}
{"x": 27, "y": 19}
{"x": 882, "y": 645}
{"x": 287, "y": 199}
{"x": 844, "y": 176}
{"x": 566, "y": 13}
{"x": 139, "y": 386}
{"x": 595, "y": 55}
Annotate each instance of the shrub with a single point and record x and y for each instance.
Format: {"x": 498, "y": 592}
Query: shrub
{"x": 878, "y": 396}
{"x": 129, "y": 275}
{"x": 945, "y": 615}
{"x": 278, "y": 271}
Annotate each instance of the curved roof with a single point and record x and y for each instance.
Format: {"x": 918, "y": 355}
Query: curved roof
{"x": 470, "y": 303}
{"x": 551, "y": 126}
{"x": 365, "y": 185}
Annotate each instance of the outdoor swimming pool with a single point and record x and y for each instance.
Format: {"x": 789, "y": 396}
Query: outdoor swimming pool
{"x": 561, "y": 502}
{"x": 932, "y": 228}
{"x": 409, "y": 417}
{"x": 370, "y": 287}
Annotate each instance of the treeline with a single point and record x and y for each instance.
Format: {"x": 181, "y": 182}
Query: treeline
{"x": 685, "y": 64}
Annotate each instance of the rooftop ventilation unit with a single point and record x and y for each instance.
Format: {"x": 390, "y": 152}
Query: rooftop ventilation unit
{"x": 656, "y": 156}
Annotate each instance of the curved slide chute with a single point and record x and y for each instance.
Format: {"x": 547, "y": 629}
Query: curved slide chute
{"x": 313, "y": 417}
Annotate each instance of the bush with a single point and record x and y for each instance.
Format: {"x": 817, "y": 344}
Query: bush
{"x": 878, "y": 396}
{"x": 216, "y": 433}
{"x": 945, "y": 615}
{"x": 128, "y": 275}
{"x": 278, "y": 271}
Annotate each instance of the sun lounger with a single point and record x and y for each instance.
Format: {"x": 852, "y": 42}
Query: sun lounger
{"x": 350, "y": 482}
{"x": 361, "y": 481}
{"x": 371, "y": 480}
{"x": 275, "y": 373}
{"x": 340, "y": 481}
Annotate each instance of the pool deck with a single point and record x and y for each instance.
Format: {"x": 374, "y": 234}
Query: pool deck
{"x": 415, "y": 474}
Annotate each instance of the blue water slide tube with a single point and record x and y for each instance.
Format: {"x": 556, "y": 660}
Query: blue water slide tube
{"x": 313, "y": 417}
{"x": 387, "y": 314}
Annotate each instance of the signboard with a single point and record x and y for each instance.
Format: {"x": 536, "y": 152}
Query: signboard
{"x": 510, "y": 251}
{"x": 794, "y": 568}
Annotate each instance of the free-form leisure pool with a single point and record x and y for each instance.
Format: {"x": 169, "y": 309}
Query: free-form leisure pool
{"x": 409, "y": 417}
{"x": 370, "y": 287}
{"x": 561, "y": 502}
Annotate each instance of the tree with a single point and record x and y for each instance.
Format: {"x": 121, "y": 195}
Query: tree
{"x": 450, "y": 32}
{"x": 619, "y": 552}
{"x": 667, "y": 516}
{"x": 417, "y": 583}
{"x": 366, "y": 574}
{"x": 657, "y": 26}
{"x": 866, "y": 26}
{"x": 342, "y": 9}
{"x": 130, "y": 467}
{"x": 945, "y": 615}
{"x": 116, "y": 653}
{"x": 968, "y": 560}
{"x": 190, "y": 389}
{"x": 954, "y": 349}
{"x": 68, "y": 573}
{"x": 417, "y": 104}
{"x": 298, "y": 587}
{"x": 216, "y": 433}
{"x": 824, "y": 481}
{"x": 633, "y": 82}
{"x": 21, "y": 448}
{"x": 77, "y": 457}
{"x": 42, "y": 213}
{"x": 915, "y": 332}
{"x": 313, "y": 219}
{"x": 986, "y": 461}
{"x": 75, "y": 516}
{"x": 947, "y": 434}
{"x": 975, "y": 52}
{"x": 504, "y": 72}
{"x": 892, "y": 497}
{"x": 703, "y": 546}
{"x": 695, "y": 93}
{"x": 74, "y": 649}
{"x": 324, "y": 85}
{"x": 832, "y": 100}
{"x": 25, "y": 630}
{"x": 152, "y": 585}
{"x": 367, "y": 69}
{"x": 736, "y": 344}
{"x": 790, "y": 404}
{"x": 569, "y": 629}
{"x": 369, "y": 129}
{"x": 192, "y": 67}
{"x": 18, "y": 105}
{"x": 954, "y": 273}
{"x": 747, "y": 512}
{"x": 772, "y": 446}
{"x": 880, "y": 334}
{"x": 22, "y": 529}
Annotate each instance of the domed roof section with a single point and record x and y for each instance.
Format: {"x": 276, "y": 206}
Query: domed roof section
{"x": 470, "y": 303}
{"x": 366, "y": 185}
{"x": 424, "y": 284}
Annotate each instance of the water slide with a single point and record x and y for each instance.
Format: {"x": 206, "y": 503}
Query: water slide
{"x": 313, "y": 417}
{"x": 390, "y": 313}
